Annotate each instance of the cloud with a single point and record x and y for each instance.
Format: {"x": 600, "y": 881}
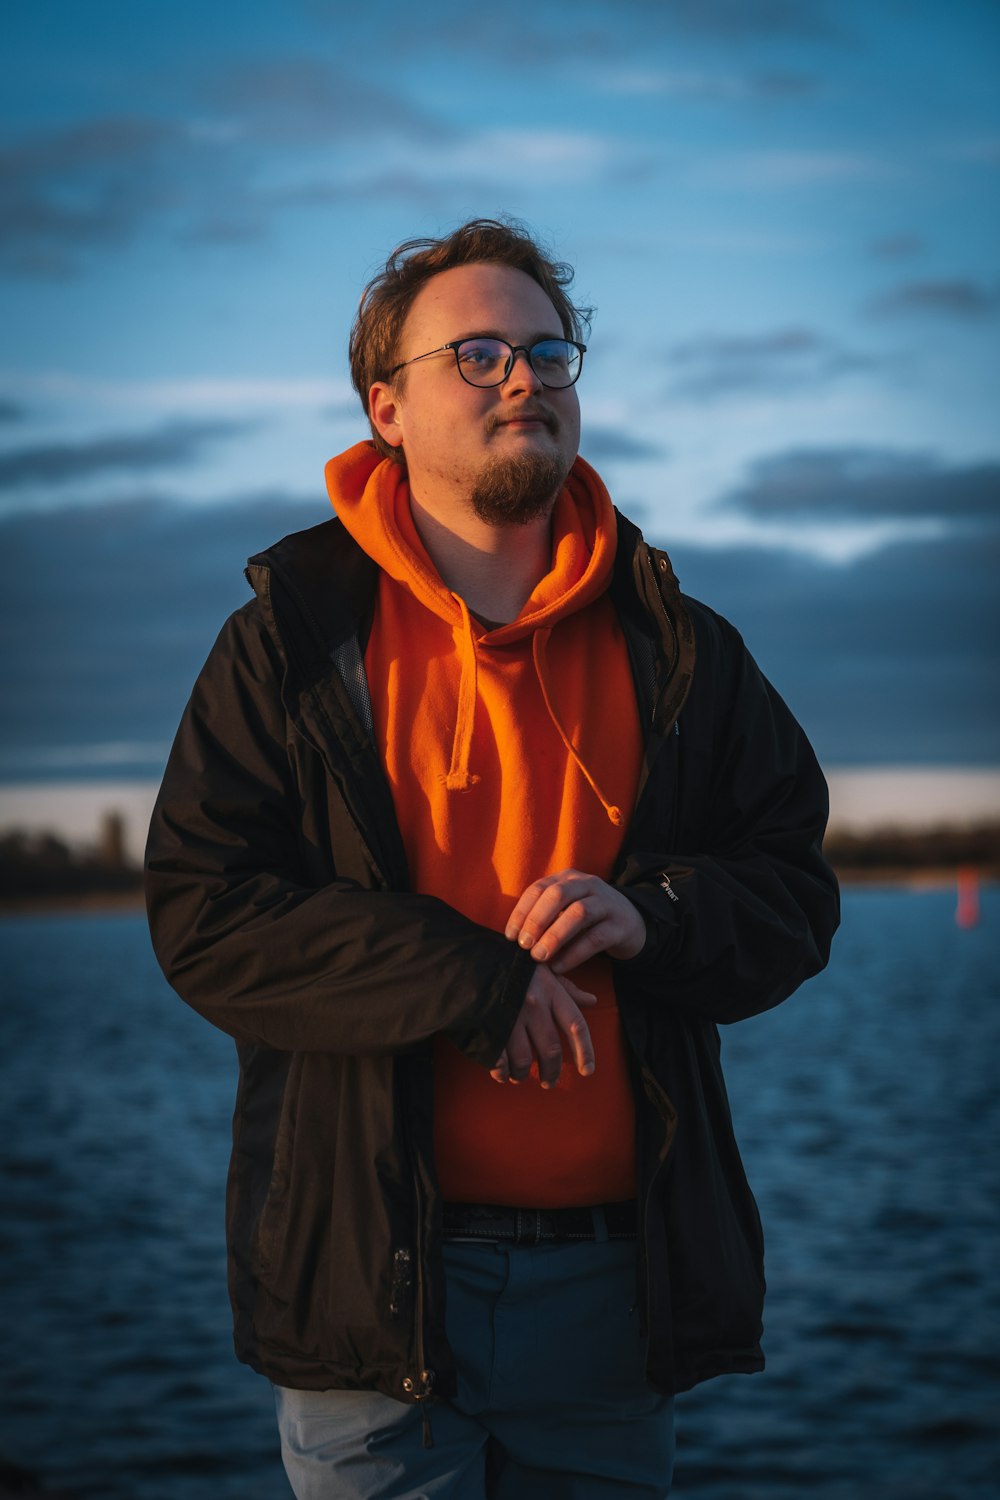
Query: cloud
{"x": 961, "y": 298}
{"x": 891, "y": 658}
{"x": 171, "y": 445}
{"x": 872, "y": 484}
{"x": 737, "y": 88}
{"x": 84, "y": 185}
{"x": 735, "y": 21}
{"x": 304, "y": 99}
{"x": 897, "y": 246}
{"x": 780, "y": 168}
{"x": 205, "y": 392}
{"x": 611, "y": 445}
{"x": 781, "y": 360}
{"x": 748, "y": 19}
{"x": 93, "y": 185}
{"x": 469, "y": 169}
{"x": 10, "y": 411}
{"x": 94, "y": 650}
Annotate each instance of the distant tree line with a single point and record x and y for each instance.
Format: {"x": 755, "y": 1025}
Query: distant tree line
{"x": 39, "y": 867}
{"x": 914, "y": 851}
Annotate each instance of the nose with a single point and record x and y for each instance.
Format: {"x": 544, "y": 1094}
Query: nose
{"x": 521, "y": 377}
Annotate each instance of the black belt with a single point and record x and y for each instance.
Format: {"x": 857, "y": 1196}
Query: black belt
{"x": 536, "y": 1226}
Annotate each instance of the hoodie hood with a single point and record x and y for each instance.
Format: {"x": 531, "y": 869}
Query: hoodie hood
{"x": 371, "y": 495}
{"x": 372, "y": 498}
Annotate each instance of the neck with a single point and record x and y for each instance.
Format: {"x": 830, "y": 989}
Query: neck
{"x": 493, "y": 568}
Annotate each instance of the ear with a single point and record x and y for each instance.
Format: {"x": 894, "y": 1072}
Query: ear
{"x": 384, "y": 410}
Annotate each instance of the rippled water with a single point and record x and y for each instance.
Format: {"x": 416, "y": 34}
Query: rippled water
{"x": 868, "y": 1112}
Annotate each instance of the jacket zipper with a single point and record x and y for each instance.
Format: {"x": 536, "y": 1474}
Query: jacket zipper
{"x": 418, "y": 1387}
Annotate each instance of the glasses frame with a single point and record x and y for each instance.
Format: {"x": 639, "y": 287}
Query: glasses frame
{"x": 515, "y": 350}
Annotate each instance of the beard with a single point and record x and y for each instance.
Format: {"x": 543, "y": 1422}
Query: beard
{"x": 518, "y": 489}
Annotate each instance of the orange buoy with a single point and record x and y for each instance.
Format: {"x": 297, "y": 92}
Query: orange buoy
{"x": 967, "y": 909}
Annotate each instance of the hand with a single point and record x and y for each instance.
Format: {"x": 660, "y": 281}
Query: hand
{"x": 551, "y": 1005}
{"x": 567, "y": 918}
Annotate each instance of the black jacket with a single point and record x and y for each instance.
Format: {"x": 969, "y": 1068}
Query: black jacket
{"x": 281, "y": 909}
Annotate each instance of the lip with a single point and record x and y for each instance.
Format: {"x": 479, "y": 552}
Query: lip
{"x": 526, "y": 421}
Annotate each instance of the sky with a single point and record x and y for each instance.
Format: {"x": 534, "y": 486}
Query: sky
{"x": 785, "y": 214}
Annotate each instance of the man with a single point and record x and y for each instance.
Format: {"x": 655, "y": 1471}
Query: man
{"x": 473, "y": 830}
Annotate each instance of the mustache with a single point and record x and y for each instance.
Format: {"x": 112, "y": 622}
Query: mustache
{"x": 536, "y": 409}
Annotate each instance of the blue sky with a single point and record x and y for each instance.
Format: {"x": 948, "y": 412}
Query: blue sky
{"x": 785, "y": 212}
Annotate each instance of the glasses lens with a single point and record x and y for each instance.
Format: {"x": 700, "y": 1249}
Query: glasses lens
{"x": 483, "y": 361}
{"x": 556, "y": 362}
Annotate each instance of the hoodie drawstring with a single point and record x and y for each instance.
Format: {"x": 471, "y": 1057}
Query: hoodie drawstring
{"x": 539, "y": 641}
{"x": 459, "y": 777}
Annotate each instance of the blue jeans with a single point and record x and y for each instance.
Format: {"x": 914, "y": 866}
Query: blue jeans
{"x": 552, "y": 1403}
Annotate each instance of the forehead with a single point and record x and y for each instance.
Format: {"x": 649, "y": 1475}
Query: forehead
{"x": 479, "y": 299}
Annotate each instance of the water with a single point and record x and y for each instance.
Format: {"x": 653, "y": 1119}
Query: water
{"x": 868, "y": 1113}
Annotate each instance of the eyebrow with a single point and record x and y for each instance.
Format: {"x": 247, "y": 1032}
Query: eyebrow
{"x": 494, "y": 333}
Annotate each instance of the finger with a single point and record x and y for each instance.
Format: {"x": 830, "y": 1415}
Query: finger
{"x": 563, "y": 905}
{"x": 612, "y": 925}
{"x": 512, "y": 931}
{"x": 577, "y": 1033}
{"x": 585, "y": 945}
{"x": 520, "y": 1054}
{"x": 577, "y": 917}
{"x": 500, "y": 1071}
{"x": 542, "y": 1028}
{"x": 582, "y": 1047}
{"x": 548, "y": 1048}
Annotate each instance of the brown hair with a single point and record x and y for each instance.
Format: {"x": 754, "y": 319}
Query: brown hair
{"x": 389, "y": 295}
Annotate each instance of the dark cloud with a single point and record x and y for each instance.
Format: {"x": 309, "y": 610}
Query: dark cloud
{"x": 172, "y": 445}
{"x": 964, "y": 299}
{"x": 783, "y": 85}
{"x": 541, "y": 39}
{"x": 296, "y": 99}
{"x": 66, "y": 191}
{"x": 531, "y": 43}
{"x": 897, "y": 246}
{"x": 10, "y": 411}
{"x": 871, "y": 484}
{"x": 783, "y": 359}
{"x": 112, "y": 609}
{"x": 890, "y": 658}
{"x": 748, "y": 19}
{"x": 893, "y": 658}
{"x": 243, "y": 228}
{"x": 69, "y": 192}
{"x": 610, "y": 445}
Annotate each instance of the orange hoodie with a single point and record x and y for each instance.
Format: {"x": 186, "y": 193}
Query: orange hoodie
{"x": 511, "y": 753}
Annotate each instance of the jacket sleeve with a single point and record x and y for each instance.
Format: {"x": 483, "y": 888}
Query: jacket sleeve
{"x": 744, "y": 907}
{"x": 269, "y": 953}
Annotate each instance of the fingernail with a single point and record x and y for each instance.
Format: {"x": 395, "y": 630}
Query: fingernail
{"x": 524, "y": 940}
{"x": 510, "y": 933}
{"x": 540, "y": 952}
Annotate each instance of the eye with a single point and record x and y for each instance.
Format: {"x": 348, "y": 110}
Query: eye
{"x": 481, "y": 354}
{"x": 553, "y": 356}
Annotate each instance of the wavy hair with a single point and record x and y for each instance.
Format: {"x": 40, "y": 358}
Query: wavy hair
{"x": 388, "y": 297}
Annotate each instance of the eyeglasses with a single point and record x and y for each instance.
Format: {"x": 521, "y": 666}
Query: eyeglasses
{"x": 486, "y": 362}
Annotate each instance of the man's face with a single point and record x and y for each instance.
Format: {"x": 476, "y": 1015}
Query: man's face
{"x": 504, "y": 451}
